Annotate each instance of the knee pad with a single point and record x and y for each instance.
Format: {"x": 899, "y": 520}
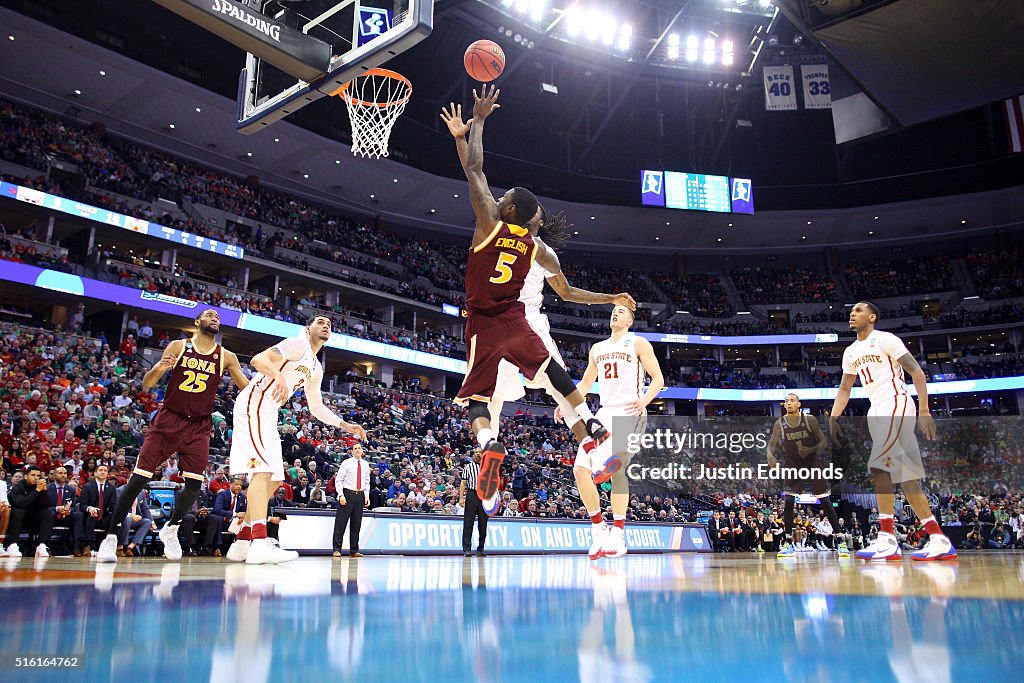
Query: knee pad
{"x": 559, "y": 379}
{"x": 478, "y": 409}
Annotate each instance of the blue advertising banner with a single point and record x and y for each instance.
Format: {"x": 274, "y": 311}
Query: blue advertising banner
{"x": 28, "y": 195}
{"x": 312, "y": 531}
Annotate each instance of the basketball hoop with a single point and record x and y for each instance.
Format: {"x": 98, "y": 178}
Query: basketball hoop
{"x": 374, "y": 101}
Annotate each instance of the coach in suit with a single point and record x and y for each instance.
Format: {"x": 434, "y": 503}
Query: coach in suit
{"x": 63, "y": 502}
{"x": 353, "y": 485}
{"x": 229, "y": 503}
{"x": 196, "y": 519}
{"x": 97, "y": 503}
{"x": 717, "y": 532}
{"x": 474, "y": 508}
{"x": 137, "y": 523}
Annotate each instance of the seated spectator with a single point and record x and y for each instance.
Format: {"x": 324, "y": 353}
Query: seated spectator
{"x": 30, "y": 510}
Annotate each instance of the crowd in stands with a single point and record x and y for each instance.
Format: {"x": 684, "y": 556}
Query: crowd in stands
{"x": 880, "y": 278}
{"x": 997, "y": 272}
{"x": 700, "y": 294}
{"x": 794, "y": 284}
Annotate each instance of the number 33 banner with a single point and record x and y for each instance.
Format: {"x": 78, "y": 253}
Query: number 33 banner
{"x": 817, "y": 89}
{"x": 779, "y": 94}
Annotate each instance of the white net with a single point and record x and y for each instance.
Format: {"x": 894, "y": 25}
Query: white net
{"x": 374, "y": 101}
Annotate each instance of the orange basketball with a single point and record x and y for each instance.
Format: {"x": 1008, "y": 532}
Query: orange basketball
{"x": 484, "y": 60}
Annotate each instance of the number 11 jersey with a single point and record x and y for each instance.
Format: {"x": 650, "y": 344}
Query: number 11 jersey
{"x": 875, "y": 361}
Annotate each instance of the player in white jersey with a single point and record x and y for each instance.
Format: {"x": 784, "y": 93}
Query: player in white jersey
{"x": 283, "y": 369}
{"x": 880, "y": 360}
{"x": 546, "y": 268}
{"x": 620, "y": 365}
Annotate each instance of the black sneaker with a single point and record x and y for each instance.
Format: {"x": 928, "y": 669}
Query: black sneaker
{"x": 490, "y": 470}
{"x": 597, "y": 431}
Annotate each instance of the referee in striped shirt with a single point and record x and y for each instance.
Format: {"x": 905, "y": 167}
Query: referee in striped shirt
{"x": 474, "y": 507}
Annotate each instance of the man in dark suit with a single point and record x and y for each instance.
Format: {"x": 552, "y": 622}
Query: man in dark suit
{"x": 301, "y": 491}
{"x": 196, "y": 519}
{"x": 136, "y": 524}
{"x": 718, "y": 531}
{"x": 229, "y": 504}
{"x": 63, "y": 502}
{"x": 97, "y": 503}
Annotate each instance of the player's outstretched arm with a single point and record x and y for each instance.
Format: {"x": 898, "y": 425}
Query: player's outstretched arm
{"x": 452, "y": 117}
{"x": 842, "y": 398}
{"x": 325, "y": 414}
{"x": 548, "y": 259}
{"x": 162, "y": 366}
{"x": 924, "y": 415}
{"x": 484, "y": 206}
{"x": 234, "y": 369}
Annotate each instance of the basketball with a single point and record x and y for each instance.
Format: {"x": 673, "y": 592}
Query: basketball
{"x": 484, "y": 60}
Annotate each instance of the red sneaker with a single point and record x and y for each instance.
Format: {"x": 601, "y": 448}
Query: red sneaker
{"x": 490, "y": 470}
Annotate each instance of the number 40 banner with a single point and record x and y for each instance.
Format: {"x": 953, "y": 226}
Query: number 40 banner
{"x": 779, "y": 94}
{"x": 817, "y": 89}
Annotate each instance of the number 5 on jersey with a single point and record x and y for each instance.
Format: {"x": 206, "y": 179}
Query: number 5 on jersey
{"x": 503, "y": 268}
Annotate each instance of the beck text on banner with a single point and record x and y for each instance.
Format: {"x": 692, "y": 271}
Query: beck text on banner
{"x": 817, "y": 88}
{"x": 779, "y": 94}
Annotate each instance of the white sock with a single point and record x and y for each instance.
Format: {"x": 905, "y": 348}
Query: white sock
{"x": 484, "y": 436}
{"x": 583, "y": 410}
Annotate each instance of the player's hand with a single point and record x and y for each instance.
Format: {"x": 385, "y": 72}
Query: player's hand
{"x": 452, "y": 117}
{"x": 927, "y": 424}
{"x": 624, "y": 299}
{"x": 635, "y": 408}
{"x": 357, "y": 430}
{"x": 804, "y": 451}
{"x": 558, "y": 414}
{"x": 278, "y": 390}
{"x": 772, "y": 460}
{"x": 835, "y": 430}
{"x": 484, "y": 106}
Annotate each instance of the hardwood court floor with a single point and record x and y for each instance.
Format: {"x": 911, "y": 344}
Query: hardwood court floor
{"x": 641, "y": 618}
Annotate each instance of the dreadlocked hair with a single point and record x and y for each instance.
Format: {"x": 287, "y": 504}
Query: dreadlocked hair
{"x": 555, "y": 231}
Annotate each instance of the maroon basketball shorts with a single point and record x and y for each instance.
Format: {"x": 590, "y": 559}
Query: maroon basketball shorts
{"x": 172, "y": 433}
{"x": 506, "y": 336}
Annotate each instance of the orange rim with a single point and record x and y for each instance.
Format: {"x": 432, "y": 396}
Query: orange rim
{"x": 342, "y": 92}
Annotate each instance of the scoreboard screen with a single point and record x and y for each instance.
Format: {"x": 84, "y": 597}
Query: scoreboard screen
{"x": 697, "y": 192}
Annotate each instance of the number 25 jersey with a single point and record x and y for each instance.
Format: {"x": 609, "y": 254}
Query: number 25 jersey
{"x": 194, "y": 381}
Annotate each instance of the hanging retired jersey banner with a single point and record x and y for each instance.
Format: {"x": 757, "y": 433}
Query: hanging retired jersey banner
{"x": 779, "y": 94}
{"x": 817, "y": 89}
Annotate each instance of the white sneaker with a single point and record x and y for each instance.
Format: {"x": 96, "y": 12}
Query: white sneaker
{"x": 821, "y": 547}
{"x": 238, "y": 551}
{"x": 938, "y": 547}
{"x": 615, "y": 543}
{"x": 885, "y": 547}
{"x": 3, "y": 551}
{"x": 108, "y": 549}
{"x": 169, "y": 537}
{"x": 13, "y": 550}
{"x": 599, "y": 534}
{"x": 42, "y": 550}
{"x": 268, "y": 551}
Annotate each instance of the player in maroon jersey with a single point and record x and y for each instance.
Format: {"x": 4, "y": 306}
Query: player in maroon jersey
{"x": 802, "y": 440}
{"x": 502, "y": 252}
{"x": 182, "y": 425}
